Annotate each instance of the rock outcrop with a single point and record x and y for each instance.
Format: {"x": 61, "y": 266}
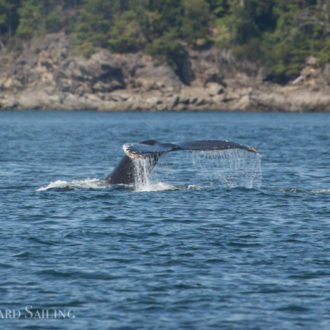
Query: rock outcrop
{"x": 46, "y": 75}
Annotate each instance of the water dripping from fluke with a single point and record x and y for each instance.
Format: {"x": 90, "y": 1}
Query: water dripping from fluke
{"x": 227, "y": 168}
{"x": 150, "y": 151}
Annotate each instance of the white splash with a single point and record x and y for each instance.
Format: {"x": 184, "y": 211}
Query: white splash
{"x": 75, "y": 184}
{"x": 142, "y": 169}
{"x": 143, "y": 179}
{"x": 159, "y": 186}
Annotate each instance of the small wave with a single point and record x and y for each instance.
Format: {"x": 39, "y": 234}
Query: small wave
{"x": 301, "y": 191}
{"x": 323, "y": 191}
{"x": 75, "y": 184}
{"x": 193, "y": 187}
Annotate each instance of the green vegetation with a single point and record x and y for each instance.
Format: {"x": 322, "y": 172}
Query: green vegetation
{"x": 168, "y": 50}
{"x": 278, "y": 35}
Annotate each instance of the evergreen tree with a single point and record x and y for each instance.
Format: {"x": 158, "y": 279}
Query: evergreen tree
{"x": 126, "y": 34}
{"x": 93, "y": 24}
{"x": 165, "y": 17}
{"x": 250, "y": 18}
{"x": 30, "y": 18}
{"x": 196, "y": 21}
{"x": 219, "y": 8}
{"x": 9, "y": 16}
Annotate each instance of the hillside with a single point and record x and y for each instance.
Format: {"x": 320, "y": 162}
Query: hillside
{"x": 165, "y": 55}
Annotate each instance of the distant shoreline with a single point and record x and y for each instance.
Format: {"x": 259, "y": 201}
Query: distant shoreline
{"x": 45, "y": 76}
{"x": 287, "y": 100}
{"x": 164, "y": 111}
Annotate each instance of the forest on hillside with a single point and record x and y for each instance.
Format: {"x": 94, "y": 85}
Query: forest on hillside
{"x": 276, "y": 34}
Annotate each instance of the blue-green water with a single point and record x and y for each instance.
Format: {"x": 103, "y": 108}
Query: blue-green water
{"x": 212, "y": 242}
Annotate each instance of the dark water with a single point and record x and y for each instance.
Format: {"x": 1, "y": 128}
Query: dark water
{"x": 201, "y": 247}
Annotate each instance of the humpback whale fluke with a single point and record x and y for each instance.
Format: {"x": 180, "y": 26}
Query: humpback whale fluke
{"x": 151, "y": 150}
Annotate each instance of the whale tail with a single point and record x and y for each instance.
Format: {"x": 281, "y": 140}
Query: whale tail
{"x": 150, "y": 150}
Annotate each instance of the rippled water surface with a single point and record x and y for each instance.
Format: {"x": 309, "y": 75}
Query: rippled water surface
{"x": 215, "y": 240}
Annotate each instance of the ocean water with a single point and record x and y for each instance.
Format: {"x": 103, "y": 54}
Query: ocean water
{"x": 213, "y": 240}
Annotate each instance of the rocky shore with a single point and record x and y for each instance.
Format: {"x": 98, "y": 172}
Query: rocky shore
{"x": 45, "y": 75}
